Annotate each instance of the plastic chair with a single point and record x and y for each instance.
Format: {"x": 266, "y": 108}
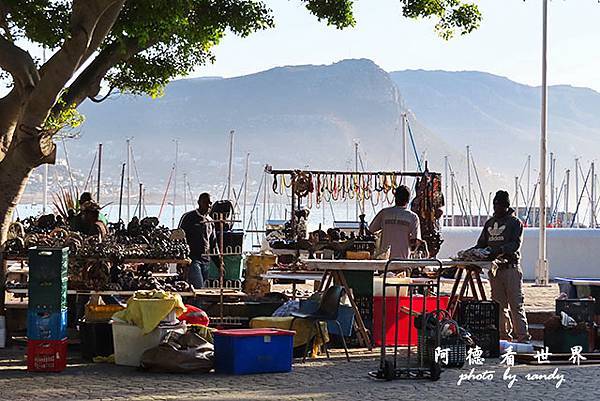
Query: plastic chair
{"x": 327, "y": 311}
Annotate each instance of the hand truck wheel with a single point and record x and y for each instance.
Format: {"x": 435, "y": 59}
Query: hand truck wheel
{"x": 389, "y": 372}
{"x": 435, "y": 371}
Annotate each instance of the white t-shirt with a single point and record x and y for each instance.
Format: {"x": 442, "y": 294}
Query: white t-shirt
{"x": 399, "y": 226}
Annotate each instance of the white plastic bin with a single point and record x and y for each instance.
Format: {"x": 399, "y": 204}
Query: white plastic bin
{"x": 390, "y": 291}
{"x": 130, "y": 343}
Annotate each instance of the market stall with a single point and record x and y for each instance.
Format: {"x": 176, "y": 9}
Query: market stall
{"x": 326, "y": 255}
{"x": 467, "y": 278}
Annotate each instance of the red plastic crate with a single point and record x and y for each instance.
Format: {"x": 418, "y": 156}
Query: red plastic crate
{"x": 46, "y": 355}
{"x": 403, "y": 319}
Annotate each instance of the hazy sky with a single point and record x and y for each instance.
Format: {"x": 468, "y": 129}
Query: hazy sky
{"x": 508, "y": 42}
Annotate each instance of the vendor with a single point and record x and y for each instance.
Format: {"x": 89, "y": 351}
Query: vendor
{"x": 200, "y": 235}
{"x": 87, "y": 197}
{"x": 503, "y": 234}
{"x": 400, "y": 226}
{"x": 88, "y": 220}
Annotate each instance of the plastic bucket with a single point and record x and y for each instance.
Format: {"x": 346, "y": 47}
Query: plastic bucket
{"x": 130, "y": 342}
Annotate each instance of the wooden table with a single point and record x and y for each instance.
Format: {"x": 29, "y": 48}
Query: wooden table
{"x": 334, "y": 272}
{"x": 202, "y": 292}
{"x": 6, "y": 258}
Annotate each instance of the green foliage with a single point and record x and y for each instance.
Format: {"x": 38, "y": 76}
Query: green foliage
{"x": 336, "y": 12}
{"x": 178, "y": 36}
{"x": 164, "y": 39}
{"x": 68, "y": 118}
{"x": 452, "y": 15}
{"x": 42, "y": 21}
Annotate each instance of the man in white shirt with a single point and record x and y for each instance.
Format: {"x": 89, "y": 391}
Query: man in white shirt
{"x": 400, "y": 227}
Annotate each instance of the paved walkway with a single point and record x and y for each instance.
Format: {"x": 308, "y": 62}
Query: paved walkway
{"x": 315, "y": 380}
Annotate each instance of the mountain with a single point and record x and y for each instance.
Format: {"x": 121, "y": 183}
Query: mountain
{"x": 500, "y": 118}
{"x": 310, "y": 115}
{"x": 289, "y": 117}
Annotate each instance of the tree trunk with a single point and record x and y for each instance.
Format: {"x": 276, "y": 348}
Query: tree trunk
{"x": 14, "y": 173}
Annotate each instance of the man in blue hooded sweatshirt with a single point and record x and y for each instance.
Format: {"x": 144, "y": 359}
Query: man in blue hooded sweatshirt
{"x": 503, "y": 234}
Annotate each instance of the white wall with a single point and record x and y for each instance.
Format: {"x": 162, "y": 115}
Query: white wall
{"x": 571, "y": 252}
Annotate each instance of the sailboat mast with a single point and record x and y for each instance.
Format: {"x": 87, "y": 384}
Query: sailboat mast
{"x": 245, "y": 190}
{"x": 175, "y": 183}
{"x": 230, "y": 172}
{"x": 128, "y": 180}
{"x": 99, "y": 172}
{"x": 45, "y": 194}
{"x": 404, "y": 148}
{"x": 356, "y": 170}
{"x": 469, "y": 199}
{"x": 185, "y": 203}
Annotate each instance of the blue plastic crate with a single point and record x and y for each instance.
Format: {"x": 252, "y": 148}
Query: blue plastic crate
{"x": 46, "y": 324}
{"x": 345, "y": 317}
{"x": 248, "y": 351}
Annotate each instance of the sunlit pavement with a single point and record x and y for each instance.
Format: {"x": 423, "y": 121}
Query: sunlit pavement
{"x": 318, "y": 379}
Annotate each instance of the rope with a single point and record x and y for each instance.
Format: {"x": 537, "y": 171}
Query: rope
{"x": 255, "y": 201}
{"x": 587, "y": 177}
{"x": 87, "y": 181}
{"x": 162, "y": 204}
{"x": 414, "y": 146}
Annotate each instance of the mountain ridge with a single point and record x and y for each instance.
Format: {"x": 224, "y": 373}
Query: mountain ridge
{"x": 310, "y": 115}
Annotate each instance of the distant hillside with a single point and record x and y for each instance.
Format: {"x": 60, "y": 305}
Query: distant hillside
{"x": 500, "y": 118}
{"x": 298, "y": 116}
{"x": 289, "y": 117}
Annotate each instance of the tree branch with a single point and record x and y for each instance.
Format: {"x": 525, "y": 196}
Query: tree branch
{"x": 91, "y": 21}
{"x": 85, "y": 33}
{"x": 9, "y": 114}
{"x": 19, "y": 64}
{"x": 4, "y": 22}
{"x": 87, "y": 84}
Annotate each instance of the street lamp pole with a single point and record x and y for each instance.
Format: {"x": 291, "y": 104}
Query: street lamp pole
{"x": 541, "y": 277}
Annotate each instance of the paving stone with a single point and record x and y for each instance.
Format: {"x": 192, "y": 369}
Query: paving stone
{"x": 315, "y": 380}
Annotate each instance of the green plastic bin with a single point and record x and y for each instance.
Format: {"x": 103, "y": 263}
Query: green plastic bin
{"x": 234, "y": 268}
{"x": 48, "y": 269}
{"x": 48, "y": 264}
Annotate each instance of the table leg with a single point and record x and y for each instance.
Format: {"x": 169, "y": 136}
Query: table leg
{"x": 363, "y": 335}
{"x": 325, "y": 281}
{"x": 3, "y": 285}
{"x": 477, "y": 277}
{"x": 472, "y": 284}
{"x": 460, "y": 296}
{"x": 453, "y": 296}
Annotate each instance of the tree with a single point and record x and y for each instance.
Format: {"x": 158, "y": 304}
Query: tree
{"x": 133, "y": 46}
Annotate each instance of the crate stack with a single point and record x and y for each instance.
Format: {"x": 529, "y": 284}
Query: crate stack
{"x": 482, "y": 320}
{"x": 47, "y": 309}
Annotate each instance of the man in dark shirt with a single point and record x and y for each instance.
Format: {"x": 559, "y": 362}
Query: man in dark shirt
{"x": 200, "y": 235}
{"x": 88, "y": 222}
{"x": 503, "y": 234}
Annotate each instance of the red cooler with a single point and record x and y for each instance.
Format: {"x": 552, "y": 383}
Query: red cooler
{"x": 403, "y": 319}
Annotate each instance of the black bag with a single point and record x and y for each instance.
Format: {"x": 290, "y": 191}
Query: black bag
{"x": 180, "y": 353}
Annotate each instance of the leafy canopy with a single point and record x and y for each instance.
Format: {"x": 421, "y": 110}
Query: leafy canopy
{"x": 158, "y": 40}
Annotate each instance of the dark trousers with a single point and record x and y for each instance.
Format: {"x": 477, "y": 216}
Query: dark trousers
{"x": 198, "y": 273}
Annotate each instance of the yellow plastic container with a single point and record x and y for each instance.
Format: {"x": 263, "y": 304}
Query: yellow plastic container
{"x": 259, "y": 264}
{"x": 94, "y": 313}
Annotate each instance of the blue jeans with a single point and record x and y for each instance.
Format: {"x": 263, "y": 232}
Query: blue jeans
{"x": 198, "y": 273}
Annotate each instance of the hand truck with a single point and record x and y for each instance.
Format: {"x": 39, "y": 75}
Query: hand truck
{"x": 409, "y": 363}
